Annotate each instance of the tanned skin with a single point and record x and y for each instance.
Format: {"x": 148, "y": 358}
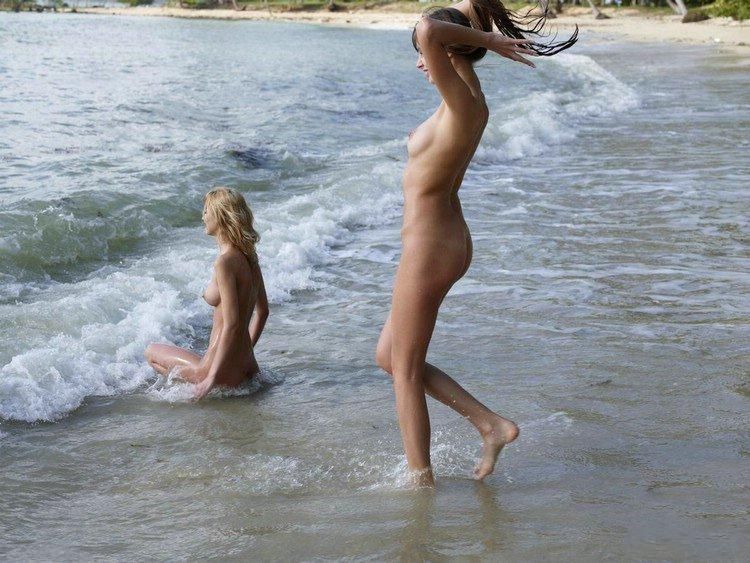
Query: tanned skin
{"x": 238, "y": 295}
{"x": 437, "y": 247}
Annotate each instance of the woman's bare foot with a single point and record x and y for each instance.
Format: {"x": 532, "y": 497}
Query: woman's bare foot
{"x": 421, "y": 477}
{"x": 502, "y": 431}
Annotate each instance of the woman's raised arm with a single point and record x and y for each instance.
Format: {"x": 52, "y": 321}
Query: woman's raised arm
{"x": 434, "y": 36}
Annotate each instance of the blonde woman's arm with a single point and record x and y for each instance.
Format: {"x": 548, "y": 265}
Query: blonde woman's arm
{"x": 260, "y": 313}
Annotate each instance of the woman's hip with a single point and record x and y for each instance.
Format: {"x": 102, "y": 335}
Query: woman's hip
{"x": 439, "y": 258}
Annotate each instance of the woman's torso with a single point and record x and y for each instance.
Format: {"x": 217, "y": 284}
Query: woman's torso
{"x": 242, "y": 363}
{"x": 440, "y": 150}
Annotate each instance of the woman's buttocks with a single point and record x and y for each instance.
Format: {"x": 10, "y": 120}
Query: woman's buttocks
{"x": 437, "y": 238}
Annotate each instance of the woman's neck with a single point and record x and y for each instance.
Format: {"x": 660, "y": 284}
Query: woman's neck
{"x": 224, "y": 246}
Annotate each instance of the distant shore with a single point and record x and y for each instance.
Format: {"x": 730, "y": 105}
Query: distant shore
{"x": 625, "y": 23}
{"x": 622, "y": 23}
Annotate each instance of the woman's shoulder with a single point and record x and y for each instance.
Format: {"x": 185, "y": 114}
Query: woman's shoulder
{"x": 232, "y": 261}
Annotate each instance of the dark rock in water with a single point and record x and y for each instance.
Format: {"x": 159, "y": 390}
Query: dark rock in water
{"x": 157, "y": 147}
{"x": 695, "y": 16}
{"x": 66, "y": 150}
{"x": 250, "y": 158}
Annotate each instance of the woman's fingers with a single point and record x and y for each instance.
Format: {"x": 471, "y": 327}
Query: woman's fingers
{"x": 514, "y": 49}
{"x": 514, "y": 55}
{"x": 520, "y": 59}
{"x": 519, "y": 41}
{"x": 200, "y": 391}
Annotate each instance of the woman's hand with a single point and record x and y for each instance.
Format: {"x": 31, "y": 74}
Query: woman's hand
{"x": 202, "y": 388}
{"x": 510, "y": 48}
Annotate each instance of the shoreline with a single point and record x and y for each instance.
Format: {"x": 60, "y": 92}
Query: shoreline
{"x": 623, "y": 23}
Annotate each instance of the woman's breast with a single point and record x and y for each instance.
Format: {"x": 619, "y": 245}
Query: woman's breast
{"x": 419, "y": 139}
{"x": 211, "y": 294}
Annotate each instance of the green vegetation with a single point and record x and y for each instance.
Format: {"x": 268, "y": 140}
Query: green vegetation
{"x": 196, "y": 4}
{"x": 31, "y": 5}
{"x": 314, "y": 5}
{"x": 736, "y": 9}
{"x": 697, "y": 15}
{"x": 699, "y": 9}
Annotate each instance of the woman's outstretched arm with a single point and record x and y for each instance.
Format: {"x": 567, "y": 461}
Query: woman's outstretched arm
{"x": 446, "y": 33}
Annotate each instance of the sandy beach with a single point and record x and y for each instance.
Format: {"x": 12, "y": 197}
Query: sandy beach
{"x": 622, "y": 23}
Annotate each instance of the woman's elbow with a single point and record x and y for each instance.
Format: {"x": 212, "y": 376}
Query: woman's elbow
{"x": 426, "y": 30}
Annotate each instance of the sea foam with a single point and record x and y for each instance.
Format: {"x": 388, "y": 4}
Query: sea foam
{"x": 86, "y": 338}
{"x": 579, "y": 89}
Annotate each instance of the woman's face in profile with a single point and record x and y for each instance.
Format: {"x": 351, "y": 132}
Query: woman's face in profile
{"x": 209, "y": 220}
{"x": 422, "y": 65}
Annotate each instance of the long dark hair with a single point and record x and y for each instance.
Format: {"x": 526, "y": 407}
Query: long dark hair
{"x": 484, "y": 13}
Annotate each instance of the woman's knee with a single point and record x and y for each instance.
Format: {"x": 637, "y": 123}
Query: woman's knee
{"x": 383, "y": 358}
{"x": 408, "y": 374}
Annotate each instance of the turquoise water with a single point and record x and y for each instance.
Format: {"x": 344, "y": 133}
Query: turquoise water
{"x": 606, "y": 309}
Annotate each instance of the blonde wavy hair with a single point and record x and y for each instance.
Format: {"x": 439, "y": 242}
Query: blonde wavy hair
{"x": 234, "y": 219}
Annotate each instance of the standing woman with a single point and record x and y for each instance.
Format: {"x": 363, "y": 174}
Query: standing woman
{"x": 436, "y": 242}
{"x": 236, "y": 291}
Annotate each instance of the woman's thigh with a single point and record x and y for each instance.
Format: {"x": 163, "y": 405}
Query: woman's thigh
{"x": 168, "y": 357}
{"x": 421, "y": 284}
{"x": 426, "y": 272}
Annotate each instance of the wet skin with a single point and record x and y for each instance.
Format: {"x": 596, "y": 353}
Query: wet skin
{"x": 238, "y": 295}
{"x": 436, "y": 245}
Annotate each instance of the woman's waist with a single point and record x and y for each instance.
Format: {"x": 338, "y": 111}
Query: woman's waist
{"x": 423, "y": 227}
{"x": 239, "y": 354}
{"x": 430, "y": 188}
{"x": 443, "y": 209}
{"x": 238, "y": 337}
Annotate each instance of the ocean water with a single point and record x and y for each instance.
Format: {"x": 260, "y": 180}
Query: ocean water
{"x": 606, "y": 309}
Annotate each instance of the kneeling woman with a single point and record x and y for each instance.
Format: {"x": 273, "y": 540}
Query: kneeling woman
{"x": 236, "y": 291}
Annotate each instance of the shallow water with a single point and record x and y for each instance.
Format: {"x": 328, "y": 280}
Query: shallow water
{"x": 606, "y": 309}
